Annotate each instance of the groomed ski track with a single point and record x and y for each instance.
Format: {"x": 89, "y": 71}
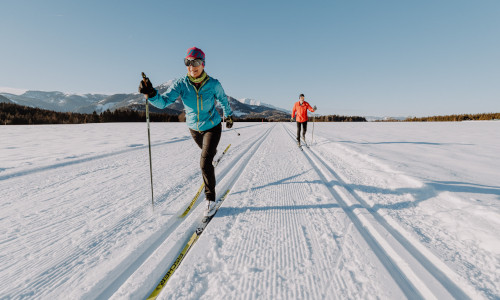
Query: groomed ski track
{"x": 318, "y": 240}
{"x": 298, "y": 231}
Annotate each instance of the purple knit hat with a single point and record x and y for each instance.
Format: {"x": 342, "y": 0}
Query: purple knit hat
{"x": 195, "y": 53}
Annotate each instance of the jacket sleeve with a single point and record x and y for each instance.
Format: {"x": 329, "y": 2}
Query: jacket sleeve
{"x": 310, "y": 108}
{"x": 293, "y": 111}
{"x": 221, "y": 97}
{"x": 171, "y": 94}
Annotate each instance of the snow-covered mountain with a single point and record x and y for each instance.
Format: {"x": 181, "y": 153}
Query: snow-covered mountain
{"x": 5, "y": 100}
{"x": 56, "y": 101}
{"x": 88, "y": 103}
{"x": 254, "y": 102}
{"x": 14, "y": 91}
{"x": 386, "y": 118}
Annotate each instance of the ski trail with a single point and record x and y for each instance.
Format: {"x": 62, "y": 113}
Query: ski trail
{"x": 277, "y": 237}
{"x": 335, "y": 221}
{"x": 88, "y": 159}
{"x": 150, "y": 262}
{"x": 67, "y": 260}
{"x": 56, "y": 272}
{"x": 385, "y": 254}
{"x": 398, "y": 248}
{"x": 393, "y": 199}
{"x": 156, "y": 241}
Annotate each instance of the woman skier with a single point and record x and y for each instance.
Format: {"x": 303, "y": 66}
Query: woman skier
{"x": 198, "y": 92}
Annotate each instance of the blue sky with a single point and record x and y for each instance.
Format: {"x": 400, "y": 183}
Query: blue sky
{"x": 367, "y": 57}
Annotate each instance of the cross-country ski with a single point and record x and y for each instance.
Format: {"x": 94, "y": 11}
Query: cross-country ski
{"x": 192, "y": 240}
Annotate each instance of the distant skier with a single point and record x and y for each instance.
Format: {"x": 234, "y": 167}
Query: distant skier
{"x": 299, "y": 111}
{"x": 198, "y": 92}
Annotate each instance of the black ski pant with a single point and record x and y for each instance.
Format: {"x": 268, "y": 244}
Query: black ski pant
{"x": 304, "y": 127}
{"x": 208, "y": 141}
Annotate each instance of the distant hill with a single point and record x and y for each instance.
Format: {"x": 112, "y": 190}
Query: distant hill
{"x": 254, "y": 102}
{"x": 4, "y": 100}
{"x": 88, "y": 103}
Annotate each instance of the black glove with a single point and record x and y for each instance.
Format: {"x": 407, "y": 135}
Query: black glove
{"x": 229, "y": 122}
{"x": 314, "y": 107}
{"x": 146, "y": 88}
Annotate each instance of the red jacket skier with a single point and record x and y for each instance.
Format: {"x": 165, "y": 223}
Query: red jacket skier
{"x": 299, "y": 111}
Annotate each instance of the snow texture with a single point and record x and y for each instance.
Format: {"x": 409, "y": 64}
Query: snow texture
{"x": 368, "y": 211}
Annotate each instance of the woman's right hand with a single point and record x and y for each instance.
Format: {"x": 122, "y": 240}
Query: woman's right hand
{"x": 146, "y": 88}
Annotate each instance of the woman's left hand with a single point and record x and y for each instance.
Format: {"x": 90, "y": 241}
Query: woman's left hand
{"x": 229, "y": 122}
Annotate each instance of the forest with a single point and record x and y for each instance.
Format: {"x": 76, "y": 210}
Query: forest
{"x": 13, "y": 114}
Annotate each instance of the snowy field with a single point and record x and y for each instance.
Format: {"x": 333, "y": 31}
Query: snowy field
{"x": 369, "y": 211}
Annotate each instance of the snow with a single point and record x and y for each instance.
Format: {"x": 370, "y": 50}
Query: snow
{"x": 259, "y": 103}
{"x": 104, "y": 107}
{"x": 238, "y": 113}
{"x": 369, "y": 211}
{"x": 250, "y": 101}
{"x": 12, "y": 91}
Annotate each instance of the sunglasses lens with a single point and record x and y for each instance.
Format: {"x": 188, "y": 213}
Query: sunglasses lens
{"x": 193, "y": 62}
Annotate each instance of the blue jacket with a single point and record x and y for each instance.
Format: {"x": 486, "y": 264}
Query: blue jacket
{"x": 199, "y": 105}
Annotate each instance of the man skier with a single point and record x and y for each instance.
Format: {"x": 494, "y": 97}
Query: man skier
{"x": 198, "y": 92}
{"x": 300, "y": 112}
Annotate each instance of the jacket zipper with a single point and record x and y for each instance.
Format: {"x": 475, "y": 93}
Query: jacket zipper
{"x": 198, "y": 101}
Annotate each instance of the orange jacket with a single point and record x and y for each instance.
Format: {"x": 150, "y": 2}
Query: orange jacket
{"x": 301, "y": 111}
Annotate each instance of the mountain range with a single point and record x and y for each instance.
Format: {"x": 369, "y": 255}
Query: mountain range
{"x": 88, "y": 103}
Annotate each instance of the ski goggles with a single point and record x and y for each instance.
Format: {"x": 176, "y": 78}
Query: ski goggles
{"x": 193, "y": 62}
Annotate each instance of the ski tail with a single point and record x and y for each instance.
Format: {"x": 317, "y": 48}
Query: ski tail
{"x": 198, "y": 193}
{"x": 174, "y": 266}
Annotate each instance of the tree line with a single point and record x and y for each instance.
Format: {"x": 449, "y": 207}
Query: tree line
{"x": 451, "y": 118}
{"x": 13, "y": 114}
{"x": 337, "y": 118}
{"x": 330, "y": 118}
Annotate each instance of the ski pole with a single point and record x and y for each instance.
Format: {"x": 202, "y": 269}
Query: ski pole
{"x": 235, "y": 131}
{"x": 312, "y": 137}
{"x": 144, "y": 78}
